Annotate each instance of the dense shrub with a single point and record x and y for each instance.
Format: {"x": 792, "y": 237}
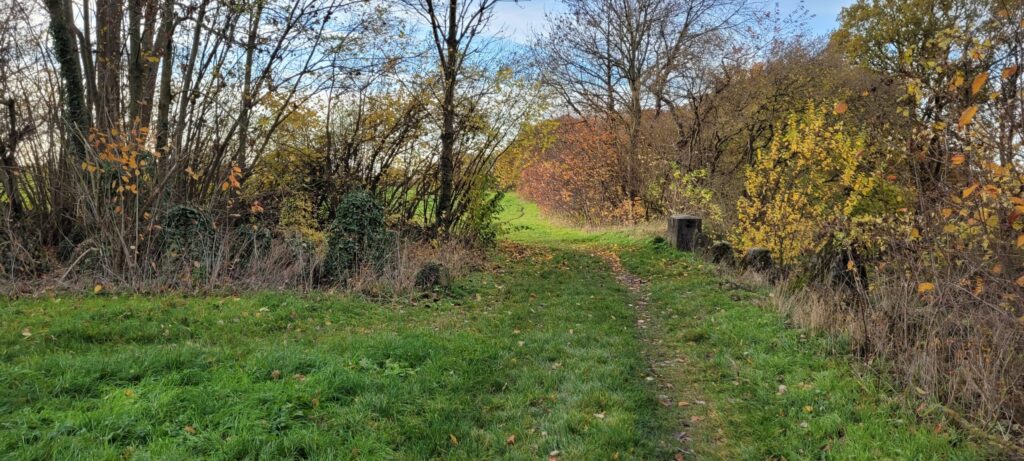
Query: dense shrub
{"x": 250, "y": 242}
{"x": 185, "y": 232}
{"x": 479, "y": 224}
{"x": 581, "y": 173}
{"x": 358, "y": 235}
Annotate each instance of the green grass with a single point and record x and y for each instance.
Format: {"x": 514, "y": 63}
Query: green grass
{"x": 543, "y": 345}
{"x": 533, "y": 348}
{"x": 527, "y": 225}
{"x": 728, "y": 351}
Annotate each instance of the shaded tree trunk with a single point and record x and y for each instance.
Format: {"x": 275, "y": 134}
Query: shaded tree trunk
{"x": 109, "y": 16}
{"x": 446, "y": 164}
{"x": 165, "y": 47}
{"x": 65, "y": 49}
{"x": 9, "y": 163}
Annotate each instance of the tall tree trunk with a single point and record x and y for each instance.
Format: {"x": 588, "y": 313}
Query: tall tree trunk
{"x": 109, "y": 16}
{"x": 88, "y": 64}
{"x": 135, "y": 61}
{"x": 65, "y": 49}
{"x": 151, "y": 39}
{"x": 166, "y": 48}
{"x": 247, "y": 91}
{"x": 186, "y": 83}
{"x": 446, "y": 164}
{"x": 8, "y": 161}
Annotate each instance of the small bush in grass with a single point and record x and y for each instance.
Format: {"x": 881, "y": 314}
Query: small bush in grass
{"x": 433, "y": 275}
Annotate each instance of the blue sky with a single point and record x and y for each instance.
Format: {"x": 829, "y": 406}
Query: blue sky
{"x": 518, "y": 20}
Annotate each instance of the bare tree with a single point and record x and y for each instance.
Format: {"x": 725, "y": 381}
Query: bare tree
{"x": 617, "y": 59}
{"x": 454, "y": 29}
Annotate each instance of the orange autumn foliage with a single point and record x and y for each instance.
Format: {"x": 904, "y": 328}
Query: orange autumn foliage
{"x": 575, "y": 175}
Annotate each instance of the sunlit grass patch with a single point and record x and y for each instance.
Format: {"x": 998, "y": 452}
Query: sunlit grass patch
{"x": 535, "y": 357}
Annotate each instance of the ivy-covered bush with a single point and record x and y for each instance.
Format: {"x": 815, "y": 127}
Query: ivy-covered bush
{"x": 185, "y": 232}
{"x": 357, "y": 235}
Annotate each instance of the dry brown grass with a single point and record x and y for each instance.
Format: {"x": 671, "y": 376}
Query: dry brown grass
{"x": 399, "y": 279}
{"x": 287, "y": 262}
{"x": 942, "y": 347}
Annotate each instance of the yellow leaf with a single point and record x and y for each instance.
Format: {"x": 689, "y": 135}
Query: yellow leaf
{"x": 841, "y": 108}
{"x": 946, "y": 212}
{"x": 1020, "y": 241}
{"x": 190, "y": 429}
{"x": 958, "y": 159}
{"x": 454, "y": 439}
{"x": 979, "y": 82}
{"x": 925, "y": 287}
{"x": 26, "y": 332}
{"x": 1020, "y": 281}
{"x": 967, "y": 116}
{"x": 97, "y": 289}
{"x": 958, "y": 81}
{"x": 970, "y": 190}
{"x": 997, "y": 269}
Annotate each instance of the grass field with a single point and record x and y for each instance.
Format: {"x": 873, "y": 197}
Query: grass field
{"x": 537, "y": 356}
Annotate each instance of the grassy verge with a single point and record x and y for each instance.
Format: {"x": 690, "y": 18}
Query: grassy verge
{"x": 752, "y": 387}
{"x": 534, "y": 356}
{"x": 539, "y": 356}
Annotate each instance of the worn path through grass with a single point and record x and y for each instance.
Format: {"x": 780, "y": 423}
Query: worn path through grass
{"x": 735, "y": 381}
{"x": 568, "y": 345}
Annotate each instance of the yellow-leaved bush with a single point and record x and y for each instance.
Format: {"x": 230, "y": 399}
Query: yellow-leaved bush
{"x": 806, "y": 188}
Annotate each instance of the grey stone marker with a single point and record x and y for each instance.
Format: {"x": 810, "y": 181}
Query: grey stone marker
{"x": 683, "y": 231}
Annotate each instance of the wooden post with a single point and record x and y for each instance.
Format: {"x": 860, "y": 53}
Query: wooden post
{"x": 683, "y": 231}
